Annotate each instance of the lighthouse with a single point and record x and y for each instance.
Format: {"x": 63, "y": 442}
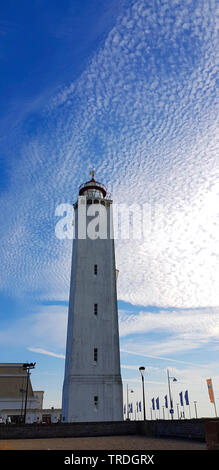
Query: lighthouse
{"x": 92, "y": 388}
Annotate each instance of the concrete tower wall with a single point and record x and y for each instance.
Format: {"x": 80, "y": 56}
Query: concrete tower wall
{"x": 92, "y": 389}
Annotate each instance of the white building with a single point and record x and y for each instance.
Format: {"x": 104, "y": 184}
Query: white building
{"x": 13, "y": 386}
{"x": 92, "y": 389}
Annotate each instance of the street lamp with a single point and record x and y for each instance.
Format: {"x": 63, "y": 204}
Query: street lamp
{"x": 27, "y": 366}
{"x": 22, "y": 390}
{"x": 170, "y": 397}
{"x": 142, "y": 369}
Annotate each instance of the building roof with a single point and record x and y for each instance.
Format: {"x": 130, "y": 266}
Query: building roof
{"x": 13, "y": 381}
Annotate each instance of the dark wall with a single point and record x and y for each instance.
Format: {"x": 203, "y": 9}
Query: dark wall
{"x": 26, "y": 431}
{"x": 188, "y": 429}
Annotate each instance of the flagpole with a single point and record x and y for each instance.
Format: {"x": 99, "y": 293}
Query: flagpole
{"x": 196, "y": 414}
{"x": 168, "y": 377}
{"x": 211, "y": 394}
{"x": 127, "y": 412}
{"x": 214, "y": 402}
{"x": 215, "y": 409}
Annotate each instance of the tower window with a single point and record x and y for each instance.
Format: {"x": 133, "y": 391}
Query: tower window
{"x": 95, "y": 400}
{"x": 95, "y": 354}
{"x": 96, "y": 201}
{"x": 95, "y": 269}
{"x": 89, "y": 201}
{"x": 95, "y": 309}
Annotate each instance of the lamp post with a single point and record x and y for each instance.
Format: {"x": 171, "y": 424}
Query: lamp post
{"x": 27, "y": 366}
{"x": 142, "y": 369}
{"x": 170, "y": 397}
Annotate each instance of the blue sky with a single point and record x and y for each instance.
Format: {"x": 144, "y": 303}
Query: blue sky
{"x": 128, "y": 88}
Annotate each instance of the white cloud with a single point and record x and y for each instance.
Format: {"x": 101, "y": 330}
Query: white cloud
{"x": 194, "y": 325}
{"x": 136, "y": 367}
{"x": 47, "y": 353}
{"x": 44, "y": 329}
{"x": 177, "y": 332}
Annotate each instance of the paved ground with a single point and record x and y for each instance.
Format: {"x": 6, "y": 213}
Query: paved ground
{"x": 101, "y": 443}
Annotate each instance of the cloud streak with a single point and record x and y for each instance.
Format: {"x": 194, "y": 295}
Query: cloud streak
{"x": 166, "y": 359}
{"x": 47, "y": 353}
{"x": 199, "y": 324}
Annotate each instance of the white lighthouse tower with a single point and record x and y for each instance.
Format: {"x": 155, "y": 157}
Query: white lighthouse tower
{"x": 92, "y": 389}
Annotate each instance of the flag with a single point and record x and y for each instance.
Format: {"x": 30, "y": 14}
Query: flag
{"x": 153, "y": 407}
{"x": 124, "y": 409}
{"x": 181, "y": 398}
{"x": 130, "y": 407}
{"x": 157, "y": 403}
{"x": 166, "y": 401}
{"x": 187, "y": 397}
{"x": 210, "y": 390}
{"x": 139, "y": 406}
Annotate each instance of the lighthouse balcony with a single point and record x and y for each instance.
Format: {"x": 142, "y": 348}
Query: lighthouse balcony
{"x": 94, "y": 200}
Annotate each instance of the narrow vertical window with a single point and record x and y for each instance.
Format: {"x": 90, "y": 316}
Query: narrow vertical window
{"x": 95, "y": 269}
{"x": 96, "y": 401}
{"x": 95, "y": 354}
{"x": 95, "y": 309}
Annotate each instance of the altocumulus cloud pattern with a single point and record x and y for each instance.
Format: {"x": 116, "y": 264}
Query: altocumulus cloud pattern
{"x": 143, "y": 114}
